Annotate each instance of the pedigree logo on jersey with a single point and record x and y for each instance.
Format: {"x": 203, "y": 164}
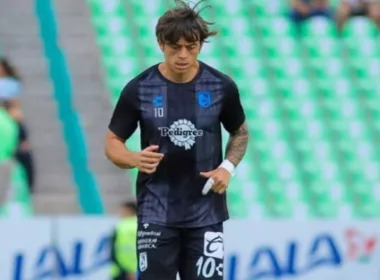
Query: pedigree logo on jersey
{"x": 182, "y": 133}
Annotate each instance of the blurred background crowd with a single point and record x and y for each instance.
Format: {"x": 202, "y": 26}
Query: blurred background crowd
{"x": 343, "y": 10}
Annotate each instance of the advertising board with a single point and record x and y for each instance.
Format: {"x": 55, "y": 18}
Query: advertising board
{"x": 77, "y": 248}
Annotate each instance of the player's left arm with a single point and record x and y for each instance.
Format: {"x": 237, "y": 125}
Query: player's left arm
{"x": 233, "y": 119}
{"x": 237, "y": 144}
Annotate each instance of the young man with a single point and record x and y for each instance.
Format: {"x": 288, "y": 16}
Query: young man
{"x": 180, "y": 105}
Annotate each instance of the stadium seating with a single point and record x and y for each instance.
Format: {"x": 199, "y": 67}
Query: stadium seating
{"x": 310, "y": 97}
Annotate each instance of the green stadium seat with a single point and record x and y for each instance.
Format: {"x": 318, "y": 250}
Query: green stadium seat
{"x": 238, "y": 26}
{"x": 331, "y": 91}
{"x": 360, "y": 27}
{"x": 298, "y": 88}
{"x": 322, "y": 205}
{"x": 210, "y": 50}
{"x": 330, "y": 68}
{"x": 148, "y": 8}
{"x": 288, "y": 68}
{"x": 277, "y": 27}
{"x": 102, "y": 9}
{"x": 256, "y": 88}
{"x": 319, "y": 27}
{"x": 278, "y": 207}
{"x": 114, "y": 27}
{"x": 367, "y": 209}
{"x": 212, "y": 61}
{"x": 363, "y": 47}
{"x": 282, "y": 47}
{"x": 247, "y": 48}
{"x": 323, "y": 48}
{"x": 367, "y": 68}
{"x": 248, "y": 67}
{"x": 270, "y": 9}
{"x": 228, "y": 9}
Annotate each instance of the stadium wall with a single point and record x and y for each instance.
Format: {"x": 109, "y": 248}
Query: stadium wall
{"x": 77, "y": 248}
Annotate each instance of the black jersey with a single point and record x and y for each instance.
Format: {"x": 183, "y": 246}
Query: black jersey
{"x": 184, "y": 119}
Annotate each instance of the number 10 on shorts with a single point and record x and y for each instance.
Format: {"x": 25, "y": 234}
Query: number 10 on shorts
{"x": 207, "y": 267}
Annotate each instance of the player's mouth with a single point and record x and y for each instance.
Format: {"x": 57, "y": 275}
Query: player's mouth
{"x": 182, "y": 65}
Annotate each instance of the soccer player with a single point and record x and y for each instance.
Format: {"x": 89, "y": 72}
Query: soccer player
{"x": 180, "y": 105}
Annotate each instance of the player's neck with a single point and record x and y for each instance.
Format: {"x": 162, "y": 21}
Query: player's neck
{"x": 178, "y": 77}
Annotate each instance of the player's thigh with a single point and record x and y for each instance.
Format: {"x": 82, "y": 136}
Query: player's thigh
{"x": 158, "y": 250}
{"x": 203, "y": 253}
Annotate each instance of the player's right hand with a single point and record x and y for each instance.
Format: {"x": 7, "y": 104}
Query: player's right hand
{"x": 148, "y": 159}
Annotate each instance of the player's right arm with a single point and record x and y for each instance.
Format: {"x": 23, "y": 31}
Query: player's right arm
{"x": 123, "y": 124}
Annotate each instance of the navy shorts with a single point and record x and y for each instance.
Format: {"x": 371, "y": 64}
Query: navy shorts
{"x": 194, "y": 253}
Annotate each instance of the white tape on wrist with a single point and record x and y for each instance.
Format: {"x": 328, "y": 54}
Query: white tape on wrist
{"x": 226, "y": 164}
{"x": 229, "y": 166}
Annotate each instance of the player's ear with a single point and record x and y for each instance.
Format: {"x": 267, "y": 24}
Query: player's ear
{"x": 161, "y": 45}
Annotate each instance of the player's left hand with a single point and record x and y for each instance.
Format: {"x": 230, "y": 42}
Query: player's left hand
{"x": 219, "y": 179}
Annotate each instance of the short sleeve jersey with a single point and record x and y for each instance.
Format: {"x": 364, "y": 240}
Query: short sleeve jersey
{"x": 184, "y": 120}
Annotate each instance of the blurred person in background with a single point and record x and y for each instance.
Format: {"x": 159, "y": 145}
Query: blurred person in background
{"x": 10, "y": 82}
{"x": 8, "y": 147}
{"x": 23, "y": 154}
{"x": 351, "y": 8}
{"x": 304, "y": 9}
{"x": 10, "y": 91}
{"x": 123, "y": 246}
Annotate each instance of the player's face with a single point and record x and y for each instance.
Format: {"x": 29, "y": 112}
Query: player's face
{"x": 181, "y": 56}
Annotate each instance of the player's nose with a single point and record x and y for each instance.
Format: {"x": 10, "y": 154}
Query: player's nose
{"x": 183, "y": 53}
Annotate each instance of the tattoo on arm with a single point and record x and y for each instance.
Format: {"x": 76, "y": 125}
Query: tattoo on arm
{"x": 237, "y": 144}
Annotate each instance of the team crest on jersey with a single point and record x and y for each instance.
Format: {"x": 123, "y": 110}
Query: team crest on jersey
{"x": 204, "y": 99}
{"x": 182, "y": 133}
{"x": 143, "y": 261}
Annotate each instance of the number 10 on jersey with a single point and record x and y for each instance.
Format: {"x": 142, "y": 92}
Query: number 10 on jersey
{"x": 158, "y": 112}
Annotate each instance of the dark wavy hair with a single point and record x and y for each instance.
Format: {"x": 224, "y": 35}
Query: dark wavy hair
{"x": 183, "y": 21}
{"x": 9, "y": 69}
